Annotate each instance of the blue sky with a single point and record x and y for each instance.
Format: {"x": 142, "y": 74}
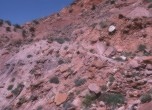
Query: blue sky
{"x": 21, "y": 11}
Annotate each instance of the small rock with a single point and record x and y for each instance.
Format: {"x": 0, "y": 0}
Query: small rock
{"x": 84, "y": 93}
{"x": 139, "y": 12}
{"x": 60, "y": 98}
{"x": 134, "y": 64}
{"x": 121, "y": 108}
{"x": 94, "y": 88}
{"x": 98, "y": 64}
{"x": 102, "y": 104}
{"x": 110, "y": 51}
{"x": 64, "y": 68}
{"x": 77, "y": 102}
{"x": 112, "y": 29}
{"x": 123, "y": 58}
{"x": 134, "y": 94}
{"x": 149, "y": 67}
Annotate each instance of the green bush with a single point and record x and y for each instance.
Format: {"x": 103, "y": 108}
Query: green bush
{"x": 141, "y": 47}
{"x": 10, "y": 87}
{"x": 21, "y": 101}
{"x": 145, "y": 98}
{"x": 60, "y": 40}
{"x": 54, "y": 80}
{"x": 39, "y": 108}
{"x": 1, "y": 22}
{"x": 8, "y": 29}
{"x": 18, "y": 89}
{"x": 148, "y": 1}
{"x": 8, "y": 22}
{"x": 79, "y": 82}
{"x": 112, "y": 99}
{"x": 89, "y": 99}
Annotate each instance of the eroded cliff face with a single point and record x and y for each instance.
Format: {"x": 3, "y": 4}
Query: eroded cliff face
{"x": 92, "y": 55}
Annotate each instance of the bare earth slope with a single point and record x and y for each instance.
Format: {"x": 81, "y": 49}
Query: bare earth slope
{"x": 92, "y": 55}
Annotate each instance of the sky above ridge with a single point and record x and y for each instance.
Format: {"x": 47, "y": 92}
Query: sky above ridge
{"x": 21, "y": 11}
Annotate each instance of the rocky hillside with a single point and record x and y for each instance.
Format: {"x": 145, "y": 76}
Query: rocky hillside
{"x": 92, "y": 55}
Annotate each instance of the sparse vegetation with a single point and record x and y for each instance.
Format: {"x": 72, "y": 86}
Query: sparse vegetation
{"x": 24, "y": 34}
{"x": 40, "y": 108}
{"x": 21, "y": 101}
{"x": 146, "y": 98}
{"x": 32, "y": 29}
{"x": 17, "y": 26}
{"x": 8, "y": 22}
{"x": 111, "y": 79}
{"x": 17, "y": 43}
{"x": 79, "y": 82}
{"x": 60, "y": 62}
{"x": 10, "y": 87}
{"x": 18, "y": 89}
{"x": 60, "y": 40}
{"x": 35, "y": 22}
{"x": 89, "y": 99}
{"x": 8, "y": 29}
{"x": 150, "y": 6}
{"x": 141, "y": 47}
{"x": 148, "y": 1}
{"x": 33, "y": 97}
{"x": 54, "y": 80}
{"x": 104, "y": 88}
{"x": 112, "y": 99}
{"x": 13, "y": 79}
{"x": 1, "y": 22}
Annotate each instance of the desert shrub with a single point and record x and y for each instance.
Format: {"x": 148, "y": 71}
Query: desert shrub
{"x": 54, "y": 80}
{"x": 93, "y": 7}
{"x": 104, "y": 88}
{"x": 60, "y": 62}
{"x": 33, "y": 97}
{"x": 89, "y": 99}
{"x": 148, "y": 1}
{"x": 1, "y": 22}
{"x": 8, "y": 29}
{"x": 32, "y": 29}
{"x": 10, "y": 87}
{"x": 17, "y": 26}
{"x": 112, "y": 99}
{"x": 141, "y": 47}
{"x": 50, "y": 39}
{"x": 35, "y": 22}
{"x": 39, "y": 108}
{"x": 17, "y": 43}
{"x": 24, "y": 34}
{"x": 79, "y": 81}
{"x": 8, "y": 22}
{"x": 150, "y": 6}
{"x": 145, "y": 98}
{"x": 60, "y": 40}
{"x": 111, "y": 79}
{"x": 18, "y": 89}
{"x": 21, "y": 101}
{"x": 13, "y": 79}
{"x": 29, "y": 56}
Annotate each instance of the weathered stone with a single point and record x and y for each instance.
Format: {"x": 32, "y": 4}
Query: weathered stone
{"x": 139, "y": 12}
{"x": 146, "y": 106}
{"x": 60, "y": 98}
{"x": 102, "y": 104}
{"x": 94, "y": 88}
{"x": 77, "y": 102}
{"x": 112, "y": 29}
